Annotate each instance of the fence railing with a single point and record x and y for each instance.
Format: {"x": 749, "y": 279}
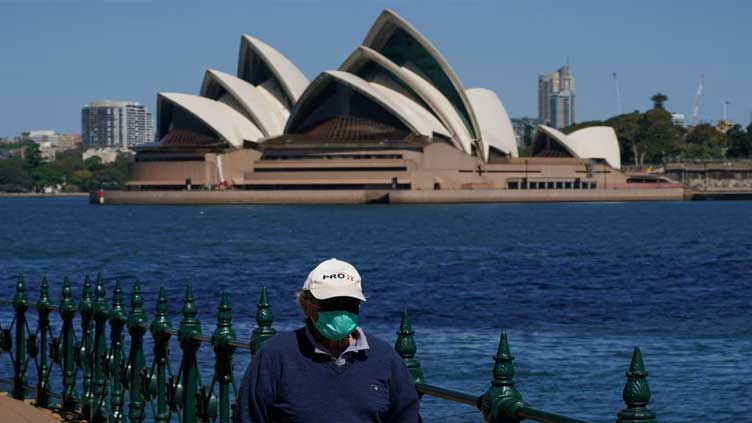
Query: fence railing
{"x": 111, "y": 376}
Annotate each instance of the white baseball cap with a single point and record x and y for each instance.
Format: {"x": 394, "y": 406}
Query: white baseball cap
{"x": 334, "y": 278}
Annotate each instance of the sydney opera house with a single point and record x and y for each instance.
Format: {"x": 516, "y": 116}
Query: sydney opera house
{"x": 393, "y": 116}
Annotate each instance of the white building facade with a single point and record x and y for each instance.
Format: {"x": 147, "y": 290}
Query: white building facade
{"x": 115, "y": 124}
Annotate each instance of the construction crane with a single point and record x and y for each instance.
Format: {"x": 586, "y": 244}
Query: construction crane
{"x": 696, "y": 104}
{"x": 618, "y": 93}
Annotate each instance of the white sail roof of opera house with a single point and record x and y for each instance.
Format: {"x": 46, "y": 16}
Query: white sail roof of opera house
{"x": 362, "y": 62}
{"x": 495, "y": 127}
{"x": 596, "y": 142}
{"x": 401, "y": 107}
{"x": 225, "y": 122}
{"x": 263, "y": 66}
{"x": 400, "y": 42}
{"x": 255, "y": 103}
{"x": 397, "y": 75}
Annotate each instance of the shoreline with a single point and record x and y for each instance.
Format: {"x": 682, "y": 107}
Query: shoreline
{"x": 294, "y": 197}
{"x": 42, "y": 194}
{"x": 307, "y": 197}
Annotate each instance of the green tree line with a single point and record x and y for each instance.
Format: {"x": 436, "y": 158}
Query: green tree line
{"x": 28, "y": 173}
{"x": 652, "y": 137}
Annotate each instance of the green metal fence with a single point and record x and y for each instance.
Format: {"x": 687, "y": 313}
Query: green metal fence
{"x": 100, "y": 377}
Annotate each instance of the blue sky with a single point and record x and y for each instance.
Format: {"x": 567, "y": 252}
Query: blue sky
{"x": 56, "y": 55}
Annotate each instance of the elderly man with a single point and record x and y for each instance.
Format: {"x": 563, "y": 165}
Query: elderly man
{"x": 328, "y": 371}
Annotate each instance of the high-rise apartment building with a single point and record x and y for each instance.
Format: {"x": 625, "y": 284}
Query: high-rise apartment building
{"x": 115, "y": 124}
{"x": 556, "y": 100}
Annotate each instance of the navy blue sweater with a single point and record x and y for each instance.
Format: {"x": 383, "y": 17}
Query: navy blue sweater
{"x": 288, "y": 382}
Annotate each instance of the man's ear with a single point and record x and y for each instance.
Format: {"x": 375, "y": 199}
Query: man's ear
{"x": 309, "y": 310}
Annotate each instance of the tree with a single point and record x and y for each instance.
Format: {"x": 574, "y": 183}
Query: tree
{"x": 658, "y": 100}
{"x": 527, "y": 136}
{"x": 739, "y": 142}
{"x": 661, "y": 139}
{"x": 32, "y": 156}
{"x": 84, "y": 179}
{"x": 628, "y": 132}
{"x": 13, "y": 176}
{"x": 93, "y": 163}
{"x": 45, "y": 176}
{"x": 581, "y": 125}
{"x": 68, "y": 162}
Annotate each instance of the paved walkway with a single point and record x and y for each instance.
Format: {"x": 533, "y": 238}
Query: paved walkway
{"x": 22, "y": 412}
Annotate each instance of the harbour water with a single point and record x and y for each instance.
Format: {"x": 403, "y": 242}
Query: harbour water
{"x": 576, "y": 286}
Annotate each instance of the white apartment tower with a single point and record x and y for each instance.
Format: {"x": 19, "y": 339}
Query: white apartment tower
{"x": 556, "y": 99}
{"x": 115, "y": 124}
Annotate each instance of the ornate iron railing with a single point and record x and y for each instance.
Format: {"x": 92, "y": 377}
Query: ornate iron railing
{"x": 112, "y": 376}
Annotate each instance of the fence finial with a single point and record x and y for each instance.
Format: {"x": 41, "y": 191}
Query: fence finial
{"x": 264, "y": 319}
{"x": 224, "y": 331}
{"x": 136, "y": 360}
{"x": 117, "y": 319}
{"x": 100, "y": 303}
{"x": 161, "y": 308}
{"x": 223, "y": 352}
{"x": 21, "y": 305}
{"x": 68, "y": 312}
{"x": 158, "y": 382}
{"x": 116, "y": 311}
{"x": 43, "y": 369}
{"x": 636, "y": 393}
{"x": 20, "y": 298}
{"x": 66, "y": 304}
{"x": 189, "y": 328}
{"x": 189, "y": 324}
{"x": 98, "y": 413}
{"x": 44, "y": 294}
{"x": 86, "y": 309}
{"x": 137, "y": 316}
{"x": 406, "y": 348}
{"x": 502, "y": 400}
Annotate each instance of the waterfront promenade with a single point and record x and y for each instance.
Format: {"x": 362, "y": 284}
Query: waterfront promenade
{"x": 22, "y": 412}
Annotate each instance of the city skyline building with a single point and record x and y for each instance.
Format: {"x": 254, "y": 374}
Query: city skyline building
{"x": 115, "y": 124}
{"x": 556, "y": 98}
{"x": 50, "y": 142}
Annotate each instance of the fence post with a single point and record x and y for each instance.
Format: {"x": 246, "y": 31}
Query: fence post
{"x": 161, "y": 341}
{"x": 501, "y": 401}
{"x": 44, "y": 307}
{"x": 221, "y": 338}
{"x": 68, "y": 313}
{"x": 405, "y": 347}
{"x": 636, "y": 393}
{"x": 86, "y": 309}
{"x": 115, "y": 357}
{"x": 189, "y": 327}
{"x": 136, "y": 362}
{"x": 20, "y": 305}
{"x": 264, "y": 319}
{"x": 99, "y": 362}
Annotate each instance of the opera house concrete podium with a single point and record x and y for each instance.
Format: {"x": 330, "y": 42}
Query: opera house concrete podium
{"x": 393, "y": 117}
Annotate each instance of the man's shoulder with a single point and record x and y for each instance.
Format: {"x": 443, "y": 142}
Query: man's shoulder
{"x": 281, "y": 342}
{"x": 380, "y": 347}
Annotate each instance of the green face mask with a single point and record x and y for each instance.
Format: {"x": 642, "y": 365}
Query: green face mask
{"x": 336, "y": 325}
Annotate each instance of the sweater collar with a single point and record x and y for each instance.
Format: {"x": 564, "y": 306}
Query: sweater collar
{"x": 360, "y": 343}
